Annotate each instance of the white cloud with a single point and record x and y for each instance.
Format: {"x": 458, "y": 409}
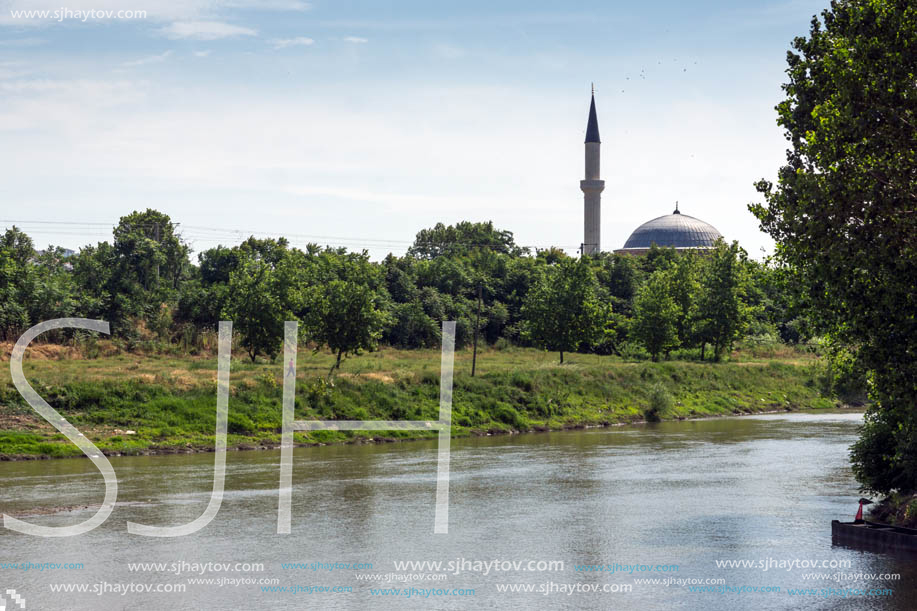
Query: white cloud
{"x": 203, "y": 53}
{"x": 152, "y": 59}
{"x": 205, "y": 30}
{"x": 356, "y": 39}
{"x": 283, "y": 43}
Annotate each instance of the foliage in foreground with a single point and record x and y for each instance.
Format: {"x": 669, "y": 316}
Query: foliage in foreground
{"x": 844, "y": 211}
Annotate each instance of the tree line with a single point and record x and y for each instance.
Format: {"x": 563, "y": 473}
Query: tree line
{"x": 144, "y": 283}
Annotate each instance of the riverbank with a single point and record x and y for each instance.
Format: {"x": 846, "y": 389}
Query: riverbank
{"x": 897, "y": 509}
{"x": 154, "y": 404}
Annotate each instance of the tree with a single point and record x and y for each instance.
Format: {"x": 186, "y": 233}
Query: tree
{"x": 412, "y": 328}
{"x": 255, "y": 308}
{"x": 138, "y": 276}
{"x": 462, "y": 238}
{"x": 619, "y": 275}
{"x": 16, "y": 252}
{"x": 52, "y": 292}
{"x": 656, "y": 314}
{"x": 150, "y": 251}
{"x": 684, "y": 288}
{"x": 344, "y": 316}
{"x": 95, "y": 275}
{"x": 721, "y": 310}
{"x": 561, "y": 311}
{"x": 844, "y": 210}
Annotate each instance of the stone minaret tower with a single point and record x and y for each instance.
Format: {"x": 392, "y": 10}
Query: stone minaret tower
{"x": 592, "y": 187}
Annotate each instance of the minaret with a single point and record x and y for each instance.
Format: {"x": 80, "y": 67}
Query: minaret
{"x": 592, "y": 186}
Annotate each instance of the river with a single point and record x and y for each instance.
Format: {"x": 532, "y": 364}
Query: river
{"x": 664, "y": 502}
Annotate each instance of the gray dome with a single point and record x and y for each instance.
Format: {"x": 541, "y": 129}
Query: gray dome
{"x": 674, "y": 230}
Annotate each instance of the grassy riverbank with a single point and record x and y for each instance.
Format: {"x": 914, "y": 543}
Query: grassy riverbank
{"x": 133, "y": 404}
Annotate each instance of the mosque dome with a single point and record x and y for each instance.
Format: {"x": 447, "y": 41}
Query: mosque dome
{"x": 674, "y": 230}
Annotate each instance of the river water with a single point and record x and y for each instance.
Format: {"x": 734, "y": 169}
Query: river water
{"x": 679, "y": 496}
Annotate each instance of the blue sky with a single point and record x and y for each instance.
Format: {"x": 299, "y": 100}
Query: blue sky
{"x": 359, "y": 123}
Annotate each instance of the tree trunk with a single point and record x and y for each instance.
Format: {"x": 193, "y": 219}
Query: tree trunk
{"x": 561, "y": 357}
{"x": 703, "y": 348}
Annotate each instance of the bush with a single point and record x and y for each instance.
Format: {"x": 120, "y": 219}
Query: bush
{"x": 844, "y": 377}
{"x": 523, "y": 381}
{"x": 870, "y": 454}
{"x": 240, "y": 425}
{"x": 429, "y": 377}
{"x": 661, "y": 403}
{"x": 502, "y": 344}
{"x": 507, "y": 414}
{"x": 634, "y": 351}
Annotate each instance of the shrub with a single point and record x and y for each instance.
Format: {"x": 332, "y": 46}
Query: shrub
{"x": 502, "y": 344}
{"x": 507, "y": 414}
{"x": 240, "y": 425}
{"x": 846, "y": 377}
{"x": 633, "y": 351}
{"x": 522, "y": 381}
{"x": 268, "y": 380}
{"x": 661, "y": 403}
{"x": 429, "y": 377}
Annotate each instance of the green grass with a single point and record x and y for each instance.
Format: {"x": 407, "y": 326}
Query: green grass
{"x": 130, "y": 404}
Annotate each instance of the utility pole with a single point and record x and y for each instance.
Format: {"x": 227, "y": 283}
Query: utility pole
{"x": 477, "y": 322}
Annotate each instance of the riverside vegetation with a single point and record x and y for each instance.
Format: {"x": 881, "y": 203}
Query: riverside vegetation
{"x": 130, "y": 403}
{"x": 645, "y": 338}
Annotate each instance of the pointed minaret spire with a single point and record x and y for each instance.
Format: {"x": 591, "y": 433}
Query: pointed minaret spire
{"x": 592, "y": 186}
{"x": 592, "y": 127}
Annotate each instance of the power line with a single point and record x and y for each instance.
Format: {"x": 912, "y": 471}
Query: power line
{"x": 199, "y": 233}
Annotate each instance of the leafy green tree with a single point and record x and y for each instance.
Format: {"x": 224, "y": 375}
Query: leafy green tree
{"x": 255, "y": 308}
{"x": 137, "y": 277}
{"x": 412, "y": 327}
{"x": 150, "y": 252}
{"x": 721, "y": 310}
{"x": 844, "y": 210}
{"x": 52, "y": 291}
{"x": 462, "y": 238}
{"x": 684, "y": 288}
{"x": 94, "y": 272}
{"x": 658, "y": 257}
{"x": 656, "y": 314}
{"x": 620, "y": 275}
{"x": 16, "y": 252}
{"x": 561, "y": 311}
{"x": 344, "y": 316}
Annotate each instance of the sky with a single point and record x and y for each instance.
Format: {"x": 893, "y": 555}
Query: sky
{"x": 357, "y": 123}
